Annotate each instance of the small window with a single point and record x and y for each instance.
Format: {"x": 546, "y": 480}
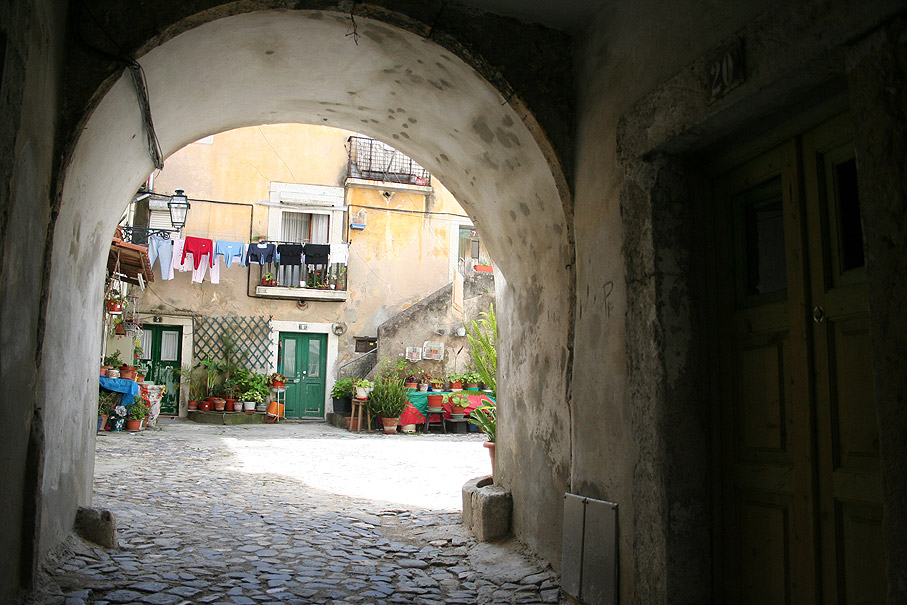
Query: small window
{"x": 364, "y": 345}
{"x": 850, "y": 227}
{"x": 759, "y": 243}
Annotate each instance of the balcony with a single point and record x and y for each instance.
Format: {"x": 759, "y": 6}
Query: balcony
{"x": 304, "y": 282}
{"x": 373, "y": 163}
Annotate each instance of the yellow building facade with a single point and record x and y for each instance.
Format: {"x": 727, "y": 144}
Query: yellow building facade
{"x": 296, "y": 183}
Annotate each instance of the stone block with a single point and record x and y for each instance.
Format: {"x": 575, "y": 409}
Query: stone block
{"x": 97, "y": 525}
{"x": 487, "y": 509}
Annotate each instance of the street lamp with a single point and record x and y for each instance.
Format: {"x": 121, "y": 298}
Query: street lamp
{"x": 179, "y": 208}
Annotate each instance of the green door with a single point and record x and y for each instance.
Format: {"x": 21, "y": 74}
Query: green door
{"x": 302, "y": 359}
{"x": 161, "y": 353}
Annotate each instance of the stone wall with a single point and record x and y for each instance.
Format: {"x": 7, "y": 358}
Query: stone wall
{"x": 417, "y": 324}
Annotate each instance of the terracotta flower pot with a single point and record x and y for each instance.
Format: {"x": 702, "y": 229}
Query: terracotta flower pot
{"x": 490, "y": 446}
{"x": 456, "y": 386}
{"x": 193, "y": 405}
{"x": 278, "y": 383}
{"x": 390, "y": 425}
{"x": 204, "y": 406}
{"x": 219, "y": 405}
{"x": 133, "y": 425}
{"x": 457, "y": 409}
{"x": 434, "y": 401}
{"x": 412, "y": 385}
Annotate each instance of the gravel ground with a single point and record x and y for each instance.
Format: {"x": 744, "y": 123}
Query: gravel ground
{"x": 289, "y": 513}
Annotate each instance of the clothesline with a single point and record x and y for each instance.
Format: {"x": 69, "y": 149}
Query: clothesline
{"x": 187, "y": 254}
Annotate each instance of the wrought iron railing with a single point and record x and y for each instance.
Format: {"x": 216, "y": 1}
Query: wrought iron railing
{"x": 376, "y": 161}
{"x": 140, "y": 235}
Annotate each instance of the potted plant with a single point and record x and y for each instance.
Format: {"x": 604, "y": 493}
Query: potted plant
{"x": 141, "y": 372}
{"x": 136, "y": 414}
{"x": 485, "y": 417}
{"x": 424, "y": 380}
{"x": 342, "y": 393}
{"x": 268, "y": 279}
{"x": 458, "y": 403}
{"x": 483, "y": 336}
{"x": 411, "y": 382}
{"x": 456, "y": 381}
{"x": 278, "y": 380}
{"x": 115, "y": 302}
{"x": 251, "y": 398}
{"x": 437, "y": 384}
{"x": 362, "y": 386}
{"x": 387, "y": 400}
{"x": 107, "y": 400}
{"x": 471, "y": 380}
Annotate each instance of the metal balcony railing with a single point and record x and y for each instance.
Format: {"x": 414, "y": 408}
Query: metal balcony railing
{"x": 140, "y": 235}
{"x": 376, "y": 161}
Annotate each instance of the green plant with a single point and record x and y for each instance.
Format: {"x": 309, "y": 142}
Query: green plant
{"x": 343, "y": 387}
{"x": 455, "y": 377}
{"x": 483, "y": 338}
{"x": 389, "y": 398}
{"x": 107, "y": 400}
{"x": 485, "y": 417}
{"x": 455, "y": 399}
{"x": 396, "y": 369}
{"x": 363, "y": 383}
{"x": 213, "y": 368}
{"x": 113, "y": 360}
{"x": 253, "y": 395}
{"x": 471, "y": 377}
{"x": 137, "y": 409}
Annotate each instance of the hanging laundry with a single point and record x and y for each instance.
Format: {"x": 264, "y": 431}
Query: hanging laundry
{"x": 179, "y": 263}
{"x": 161, "y": 249}
{"x": 340, "y": 253}
{"x": 261, "y": 253}
{"x": 316, "y": 254}
{"x": 290, "y": 254}
{"x": 231, "y": 250}
{"x": 199, "y": 247}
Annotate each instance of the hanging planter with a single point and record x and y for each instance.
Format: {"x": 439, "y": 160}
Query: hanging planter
{"x": 114, "y": 306}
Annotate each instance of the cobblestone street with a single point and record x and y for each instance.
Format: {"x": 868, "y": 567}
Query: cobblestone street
{"x": 295, "y": 513}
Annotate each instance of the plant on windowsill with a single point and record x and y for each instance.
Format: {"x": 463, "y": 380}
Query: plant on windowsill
{"x": 268, "y": 279}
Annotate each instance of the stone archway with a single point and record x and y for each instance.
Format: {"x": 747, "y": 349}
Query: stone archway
{"x": 279, "y": 66}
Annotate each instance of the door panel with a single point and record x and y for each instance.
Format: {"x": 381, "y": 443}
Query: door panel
{"x": 764, "y": 412}
{"x": 850, "y": 510}
{"x": 801, "y": 486}
{"x": 302, "y": 360}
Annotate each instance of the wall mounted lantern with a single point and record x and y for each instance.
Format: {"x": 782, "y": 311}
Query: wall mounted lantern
{"x": 179, "y": 209}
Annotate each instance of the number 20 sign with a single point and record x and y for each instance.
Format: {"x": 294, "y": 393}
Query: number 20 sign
{"x": 726, "y": 71}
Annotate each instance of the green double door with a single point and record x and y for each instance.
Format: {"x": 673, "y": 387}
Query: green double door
{"x": 302, "y": 359}
{"x": 161, "y": 353}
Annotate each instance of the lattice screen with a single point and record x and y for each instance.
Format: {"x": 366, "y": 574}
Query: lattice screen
{"x": 251, "y": 335}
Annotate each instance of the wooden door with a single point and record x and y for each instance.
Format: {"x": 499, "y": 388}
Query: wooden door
{"x": 850, "y": 493}
{"x": 799, "y": 450}
{"x": 161, "y": 351}
{"x": 302, "y": 361}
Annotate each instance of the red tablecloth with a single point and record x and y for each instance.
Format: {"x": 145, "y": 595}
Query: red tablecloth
{"x": 411, "y": 415}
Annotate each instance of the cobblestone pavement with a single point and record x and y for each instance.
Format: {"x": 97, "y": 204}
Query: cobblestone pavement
{"x": 279, "y": 514}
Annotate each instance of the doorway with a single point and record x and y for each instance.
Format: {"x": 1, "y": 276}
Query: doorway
{"x": 800, "y": 485}
{"x": 302, "y": 359}
{"x": 161, "y": 353}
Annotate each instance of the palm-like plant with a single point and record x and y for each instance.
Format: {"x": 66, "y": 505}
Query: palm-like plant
{"x": 483, "y": 338}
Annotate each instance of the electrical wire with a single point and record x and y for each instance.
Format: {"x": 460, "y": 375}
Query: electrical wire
{"x": 139, "y": 82}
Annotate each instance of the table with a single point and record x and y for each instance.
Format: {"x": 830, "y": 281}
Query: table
{"x": 417, "y": 408}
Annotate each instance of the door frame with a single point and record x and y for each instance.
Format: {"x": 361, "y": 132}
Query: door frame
{"x": 186, "y": 349}
{"x": 304, "y": 327}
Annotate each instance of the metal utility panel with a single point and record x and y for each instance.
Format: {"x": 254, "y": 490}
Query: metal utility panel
{"x": 589, "y": 562}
